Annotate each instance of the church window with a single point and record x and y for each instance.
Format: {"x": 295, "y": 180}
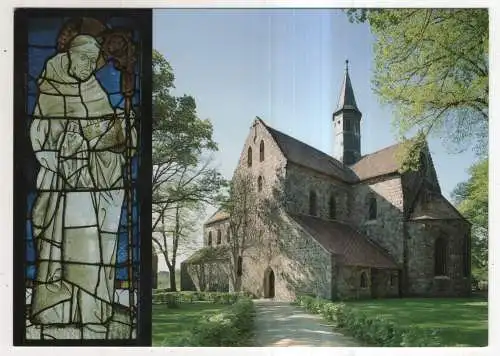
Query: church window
{"x": 228, "y": 236}
{"x": 80, "y": 84}
{"x": 333, "y": 207}
{"x": 363, "y": 283}
{"x": 393, "y": 279}
{"x": 249, "y": 157}
{"x": 347, "y": 125}
{"x": 219, "y": 237}
{"x": 372, "y": 207}
{"x": 261, "y": 151}
{"x": 440, "y": 255}
{"x": 313, "y": 209}
{"x": 239, "y": 271}
{"x": 259, "y": 184}
{"x": 210, "y": 238}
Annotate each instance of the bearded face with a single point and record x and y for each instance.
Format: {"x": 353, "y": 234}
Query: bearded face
{"x": 83, "y": 61}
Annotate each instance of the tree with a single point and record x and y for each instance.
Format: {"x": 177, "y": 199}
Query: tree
{"x": 243, "y": 207}
{"x": 183, "y": 177}
{"x": 431, "y": 66}
{"x": 175, "y": 234}
{"x": 471, "y": 199}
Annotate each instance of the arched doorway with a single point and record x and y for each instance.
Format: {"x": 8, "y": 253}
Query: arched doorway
{"x": 269, "y": 283}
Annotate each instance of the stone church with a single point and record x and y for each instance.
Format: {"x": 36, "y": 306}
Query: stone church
{"x": 356, "y": 226}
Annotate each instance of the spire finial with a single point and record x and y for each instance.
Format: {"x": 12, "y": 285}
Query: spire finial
{"x": 346, "y": 65}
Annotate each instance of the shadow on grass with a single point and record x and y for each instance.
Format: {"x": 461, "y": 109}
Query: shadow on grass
{"x": 462, "y": 321}
{"x": 171, "y": 326}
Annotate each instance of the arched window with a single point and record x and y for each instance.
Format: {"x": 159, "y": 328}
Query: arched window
{"x": 393, "y": 279}
{"x": 312, "y": 203}
{"x": 363, "y": 283}
{"x": 440, "y": 257}
{"x": 228, "y": 236}
{"x": 249, "y": 157}
{"x": 259, "y": 184}
{"x": 333, "y": 207}
{"x": 261, "y": 155}
{"x": 210, "y": 238}
{"x": 219, "y": 237}
{"x": 372, "y": 207}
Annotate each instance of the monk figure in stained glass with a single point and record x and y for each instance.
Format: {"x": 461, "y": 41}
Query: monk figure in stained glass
{"x": 80, "y": 142}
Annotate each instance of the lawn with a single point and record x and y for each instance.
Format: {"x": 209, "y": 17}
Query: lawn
{"x": 463, "y": 322}
{"x": 172, "y": 325}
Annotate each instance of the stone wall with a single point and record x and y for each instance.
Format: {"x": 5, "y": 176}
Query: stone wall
{"x": 349, "y": 283}
{"x": 301, "y": 181}
{"x": 387, "y": 229}
{"x": 273, "y": 164}
{"x": 299, "y": 263}
{"x": 222, "y": 226}
{"x": 421, "y": 258}
{"x": 379, "y": 283}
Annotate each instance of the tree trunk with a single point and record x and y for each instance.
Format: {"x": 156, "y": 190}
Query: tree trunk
{"x": 171, "y": 270}
{"x": 237, "y": 284}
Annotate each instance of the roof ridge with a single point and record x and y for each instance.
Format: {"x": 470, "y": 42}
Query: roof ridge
{"x": 333, "y": 159}
{"x": 380, "y": 150}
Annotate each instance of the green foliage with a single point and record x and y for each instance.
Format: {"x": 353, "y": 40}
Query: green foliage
{"x": 471, "y": 199}
{"x": 179, "y": 134}
{"x": 232, "y": 327}
{"x": 174, "y": 299}
{"x": 410, "y": 153}
{"x": 372, "y": 330}
{"x": 431, "y": 65}
{"x": 183, "y": 179}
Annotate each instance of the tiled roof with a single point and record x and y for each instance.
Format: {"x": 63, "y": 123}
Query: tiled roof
{"x": 217, "y": 216}
{"x": 340, "y": 239}
{"x": 300, "y": 153}
{"x": 208, "y": 254}
{"x": 369, "y": 166}
{"x": 378, "y": 163}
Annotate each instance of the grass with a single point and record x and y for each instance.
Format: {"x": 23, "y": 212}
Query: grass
{"x": 170, "y": 326}
{"x": 463, "y": 322}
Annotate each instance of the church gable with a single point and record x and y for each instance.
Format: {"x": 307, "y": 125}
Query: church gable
{"x": 415, "y": 181}
{"x": 261, "y": 156}
{"x": 431, "y": 205}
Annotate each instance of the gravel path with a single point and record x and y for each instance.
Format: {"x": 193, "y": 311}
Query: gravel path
{"x": 279, "y": 324}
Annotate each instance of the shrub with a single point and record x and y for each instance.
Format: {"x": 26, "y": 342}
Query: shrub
{"x": 228, "y": 328}
{"x": 373, "y": 330}
{"x": 175, "y": 298}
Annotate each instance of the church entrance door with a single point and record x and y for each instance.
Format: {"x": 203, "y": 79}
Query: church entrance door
{"x": 269, "y": 283}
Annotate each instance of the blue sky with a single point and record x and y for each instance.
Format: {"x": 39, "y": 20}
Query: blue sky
{"x": 285, "y": 66}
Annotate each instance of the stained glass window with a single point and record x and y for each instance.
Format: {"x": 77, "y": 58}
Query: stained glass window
{"x": 83, "y": 154}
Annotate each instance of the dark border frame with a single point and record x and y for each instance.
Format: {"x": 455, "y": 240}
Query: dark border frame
{"x": 21, "y": 147}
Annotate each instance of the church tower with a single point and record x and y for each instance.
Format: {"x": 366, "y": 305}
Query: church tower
{"x": 346, "y": 124}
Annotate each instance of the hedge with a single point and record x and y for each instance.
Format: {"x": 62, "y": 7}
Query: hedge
{"x": 372, "y": 330}
{"x": 232, "y": 327}
{"x": 173, "y": 299}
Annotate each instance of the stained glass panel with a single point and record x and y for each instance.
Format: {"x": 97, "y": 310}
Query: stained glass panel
{"x": 84, "y": 137}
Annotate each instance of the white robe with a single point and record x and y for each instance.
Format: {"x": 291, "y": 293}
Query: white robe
{"x": 80, "y": 194}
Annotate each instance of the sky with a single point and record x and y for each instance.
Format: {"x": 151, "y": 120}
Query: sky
{"x": 285, "y": 66}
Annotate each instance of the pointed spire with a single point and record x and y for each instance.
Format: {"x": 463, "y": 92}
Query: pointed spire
{"x": 346, "y": 98}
